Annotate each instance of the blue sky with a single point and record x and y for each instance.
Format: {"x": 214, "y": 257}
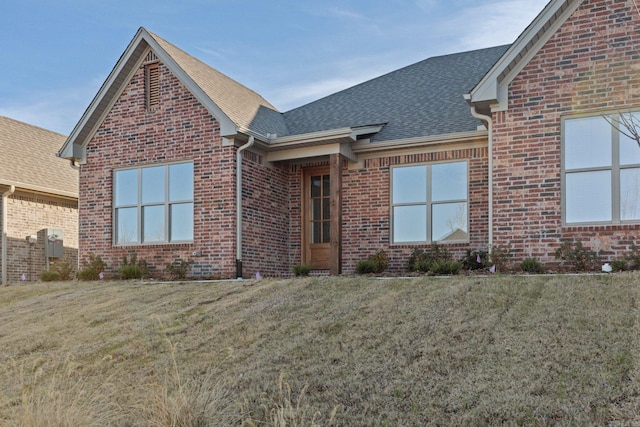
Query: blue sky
{"x": 54, "y": 55}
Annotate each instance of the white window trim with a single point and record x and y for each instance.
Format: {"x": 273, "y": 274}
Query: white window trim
{"x": 615, "y": 169}
{"x": 429, "y": 204}
{"x": 139, "y": 207}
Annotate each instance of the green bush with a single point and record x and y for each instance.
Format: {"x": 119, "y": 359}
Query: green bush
{"x": 49, "y": 276}
{"x": 501, "y": 259}
{"x": 470, "y": 261}
{"x": 301, "y": 269}
{"x": 365, "y": 266}
{"x": 59, "y": 270}
{"x": 179, "y": 268}
{"x": 376, "y": 263}
{"x": 91, "y": 270}
{"x": 619, "y": 265}
{"x": 531, "y": 265}
{"x": 580, "y": 258}
{"x": 133, "y": 268}
{"x": 633, "y": 258}
{"x": 446, "y": 267}
{"x": 421, "y": 260}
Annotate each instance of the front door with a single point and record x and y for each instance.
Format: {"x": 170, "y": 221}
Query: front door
{"x": 316, "y": 218}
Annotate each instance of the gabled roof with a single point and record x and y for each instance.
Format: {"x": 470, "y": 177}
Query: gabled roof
{"x": 491, "y": 92}
{"x": 420, "y": 100}
{"x": 423, "y": 99}
{"x": 234, "y": 105}
{"x": 28, "y": 160}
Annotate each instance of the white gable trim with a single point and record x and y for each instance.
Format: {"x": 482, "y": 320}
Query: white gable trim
{"x": 75, "y": 146}
{"x": 492, "y": 90}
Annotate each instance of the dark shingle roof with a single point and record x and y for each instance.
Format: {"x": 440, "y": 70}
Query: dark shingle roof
{"x": 423, "y": 99}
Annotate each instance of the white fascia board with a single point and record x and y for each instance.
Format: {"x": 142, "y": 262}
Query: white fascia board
{"x": 70, "y": 148}
{"x": 312, "y": 151}
{"x": 493, "y": 88}
{"x": 362, "y": 147}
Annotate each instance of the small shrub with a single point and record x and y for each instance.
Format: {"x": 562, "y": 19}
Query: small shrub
{"x": 365, "y": 266}
{"x": 633, "y": 258}
{"x": 301, "y": 269}
{"x": 421, "y": 260}
{"x": 531, "y": 265}
{"x": 446, "y": 267}
{"x": 133, "y": 268}
{"x": 501, "y": 259}
{"x": 376, "y": 263}
{"x": 619, "y": 265}
{"x": 49, "y": 276}
{"x": 475, "y": 260}
{"x": 179, "y": 268}
{"x": 91, "y": 270}
{"x": 581, "y": 258}
{"x": 380, "y": 260}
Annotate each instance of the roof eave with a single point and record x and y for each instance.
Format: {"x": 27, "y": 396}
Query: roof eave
{"x": 74, "y": 147}
{"x": 492, "y": 90}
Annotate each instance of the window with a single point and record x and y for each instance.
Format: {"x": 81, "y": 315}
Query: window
{"x": 153, "y": 204}
{"x": 429, "y": 203}
{"x": 601, "y": 172}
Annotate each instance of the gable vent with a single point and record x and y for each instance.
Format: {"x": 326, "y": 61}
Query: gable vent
{"x": 152, "y": 85}
{"x": 150, "y": 58}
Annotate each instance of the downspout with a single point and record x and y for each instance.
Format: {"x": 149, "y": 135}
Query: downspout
{"x": 3, "y": 212}
{"x": 489, "y": 122}
{"x": 239, "y": 207}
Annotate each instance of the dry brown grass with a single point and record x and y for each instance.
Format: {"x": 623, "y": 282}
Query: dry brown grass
{"x": 538, "y": 350}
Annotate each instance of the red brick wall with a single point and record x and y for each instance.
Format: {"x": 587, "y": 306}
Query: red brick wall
{"x": 589, "y": 65}
{"x": 266, "y": 218}
{"x": 180, "y": 129}
{"x": 367, "y": 204}
{"x": 27, "y": 214}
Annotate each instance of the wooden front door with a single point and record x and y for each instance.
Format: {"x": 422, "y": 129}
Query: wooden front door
{"x": 316, "y": 218}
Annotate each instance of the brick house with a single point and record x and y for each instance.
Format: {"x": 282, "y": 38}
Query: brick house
{"x": 179, "y": 161}
{"x": 39, "y": 200}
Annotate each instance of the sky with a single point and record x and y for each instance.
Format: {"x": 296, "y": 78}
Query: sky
{"x": 55, "y": 55}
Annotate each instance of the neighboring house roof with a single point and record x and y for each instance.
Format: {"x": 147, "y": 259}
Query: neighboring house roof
{"x": 423, "y": 99}
{"x": 28, "y": 160}
{"x": 491, "y": 93}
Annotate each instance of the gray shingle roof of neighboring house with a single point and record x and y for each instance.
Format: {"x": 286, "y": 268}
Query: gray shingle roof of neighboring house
{"x": 28, "y": 159}
{"x": 423, "y": 99}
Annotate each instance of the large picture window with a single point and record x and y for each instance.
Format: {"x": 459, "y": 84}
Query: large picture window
{"x": 429, "y": 203}
{"x": 153, "y": 204}
{"x": 601, "y": 172}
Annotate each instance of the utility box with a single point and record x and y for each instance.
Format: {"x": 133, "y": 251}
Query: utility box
{"x": 53, "y": 239}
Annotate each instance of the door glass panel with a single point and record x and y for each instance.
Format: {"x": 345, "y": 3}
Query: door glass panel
{"x": 316, "y": 209}
{"x": 326, "y": 210}
{"x": 326, "y": 186}
{"x": 316, "y": 189}
{"x": 316, "y": 232}
{"x": 326, "y": 238}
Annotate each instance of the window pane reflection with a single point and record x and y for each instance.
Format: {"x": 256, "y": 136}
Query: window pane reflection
{"x": 410, "y": 223}
{"x": 629, "y": 194}
{"x": 449, "y": 222}
{"x": 588, "y": 196}
{"x": 153, "y": 220}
